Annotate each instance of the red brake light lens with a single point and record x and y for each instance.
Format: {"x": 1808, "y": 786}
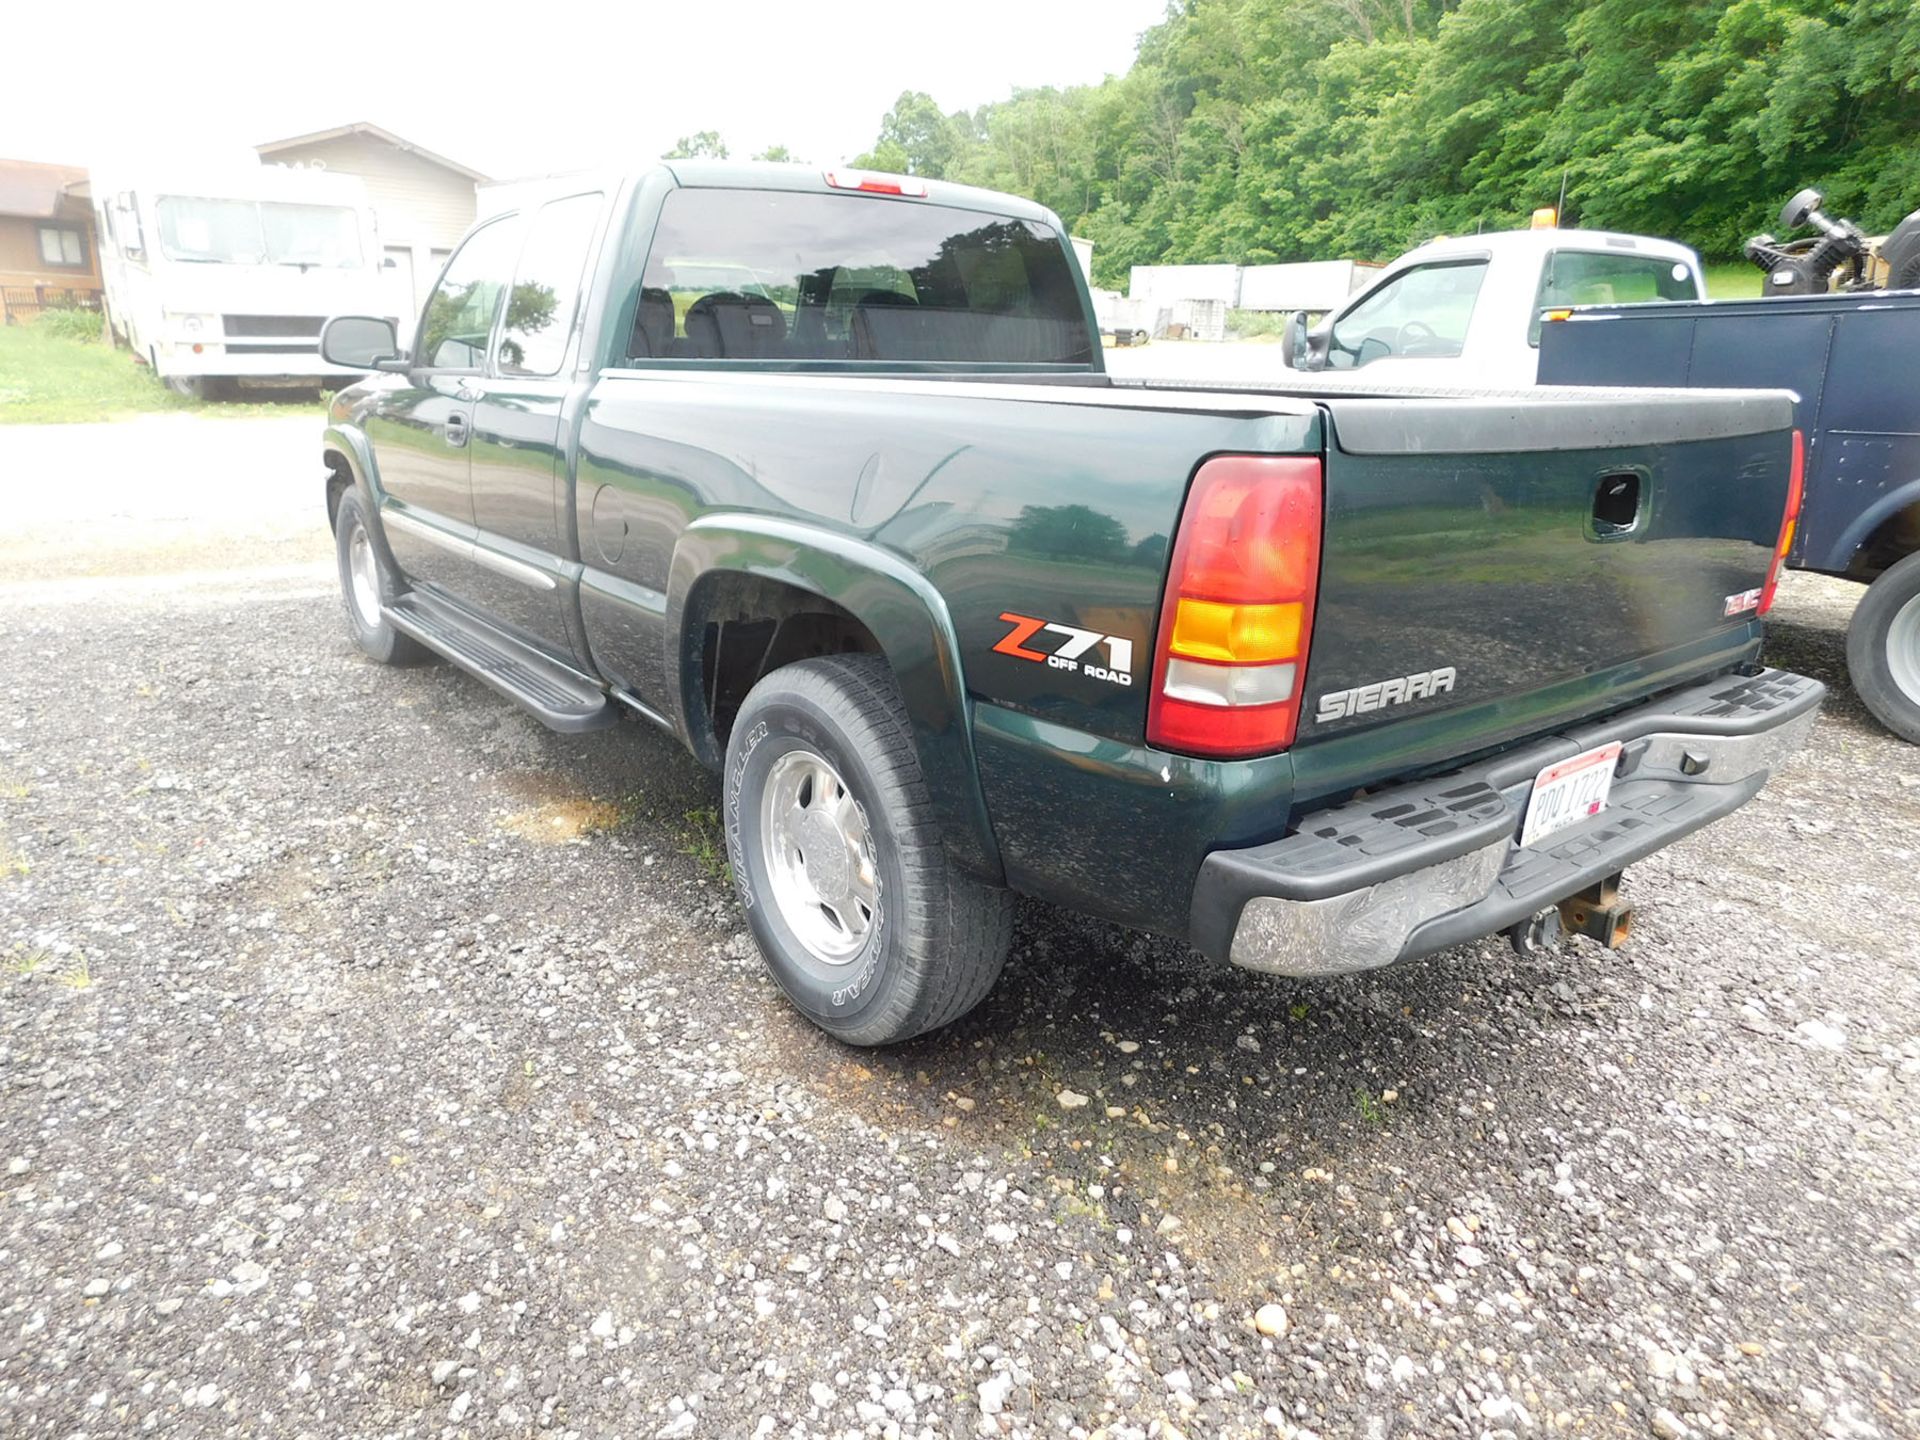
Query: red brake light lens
{"x": 1789, "y": 521}
{"x": 877, "y": 184}
{"x": 1238, "y": 611}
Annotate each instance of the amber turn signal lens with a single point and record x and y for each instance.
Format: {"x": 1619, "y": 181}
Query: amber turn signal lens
{"x": 1236, "y": 634}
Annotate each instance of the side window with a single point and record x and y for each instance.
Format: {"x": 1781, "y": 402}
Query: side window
{"x": 127, "y": 229}
{"x": 1586, "y": 277}
{"x": 1420, "y": 314}
{"x": 546, "y": 288}
{"x": 459, "y": 314}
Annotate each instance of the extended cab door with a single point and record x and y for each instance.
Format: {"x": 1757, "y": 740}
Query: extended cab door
{"x": 519, "y": 459}
{"x": 420, "y": 430}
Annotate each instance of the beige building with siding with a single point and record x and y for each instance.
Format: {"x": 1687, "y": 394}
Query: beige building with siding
{"x": 47, "y": 253}
{"x": 422, "y": 202}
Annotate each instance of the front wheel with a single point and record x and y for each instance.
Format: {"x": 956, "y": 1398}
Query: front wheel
{"x": 366, "y": 584}
{"x": 863, "y": 920}
{"x": 1883, "y": 649}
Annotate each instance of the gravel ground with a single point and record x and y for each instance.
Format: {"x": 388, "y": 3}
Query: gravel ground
{"x": 376, "y": 1063}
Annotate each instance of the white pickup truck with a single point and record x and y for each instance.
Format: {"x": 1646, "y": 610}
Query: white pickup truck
{"x": 1466, "y": 311}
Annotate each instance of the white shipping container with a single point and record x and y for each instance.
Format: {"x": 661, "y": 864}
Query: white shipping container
{"x": 1305, "y": 285}
{"x": 1164, "y": 285}
{"x": 1083, "y": 252}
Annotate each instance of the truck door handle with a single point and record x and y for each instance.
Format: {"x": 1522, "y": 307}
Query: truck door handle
{"x": 456, "y": 429}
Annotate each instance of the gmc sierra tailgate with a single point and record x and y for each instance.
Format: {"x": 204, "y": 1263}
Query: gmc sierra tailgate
{"x": 1494, "y": 566}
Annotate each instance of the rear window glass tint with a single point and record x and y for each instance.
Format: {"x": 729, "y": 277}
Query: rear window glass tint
{"x": 782, "y": 277}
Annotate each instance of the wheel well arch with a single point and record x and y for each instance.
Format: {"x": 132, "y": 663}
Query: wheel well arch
{"x": 1894, "y": 536}
{"x": 339, "y": 481}
{"x": 856, "y": 596}
{"x": 738, "y": 626}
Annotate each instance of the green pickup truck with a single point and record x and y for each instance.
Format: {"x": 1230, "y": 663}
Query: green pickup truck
{"x": 823, "y": 474}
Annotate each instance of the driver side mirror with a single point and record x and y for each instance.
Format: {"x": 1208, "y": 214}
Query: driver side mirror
{"x": 361, "y": 342}
{"x": 1293, "y": 341}
{"x": 1302, "y": 348}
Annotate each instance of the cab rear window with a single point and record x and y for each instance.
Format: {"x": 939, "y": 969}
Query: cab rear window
{"x": 778, "y": 277}
{"x": 1589, "y": 277}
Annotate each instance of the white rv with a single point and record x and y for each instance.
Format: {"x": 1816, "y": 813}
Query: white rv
{"x": 225, "y": 275}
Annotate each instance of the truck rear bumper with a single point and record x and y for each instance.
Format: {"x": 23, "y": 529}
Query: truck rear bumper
{"x": 1414, "y": 869}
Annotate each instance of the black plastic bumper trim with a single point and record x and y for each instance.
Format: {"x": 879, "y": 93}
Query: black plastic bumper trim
{"x": 1413, "y": 827}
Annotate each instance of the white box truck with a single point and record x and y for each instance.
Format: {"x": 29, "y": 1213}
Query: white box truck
{"x": 223, "y": 275}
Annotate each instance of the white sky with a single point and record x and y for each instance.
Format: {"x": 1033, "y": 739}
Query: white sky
{"x": 551, "y": 85}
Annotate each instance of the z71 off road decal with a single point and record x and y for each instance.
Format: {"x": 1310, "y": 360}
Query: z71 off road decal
{"x": 1070, "y": 651}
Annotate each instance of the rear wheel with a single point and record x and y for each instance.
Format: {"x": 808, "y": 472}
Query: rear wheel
{"x": 863, "y": 920}
{"x": 366, "y": 583}
{"x": 1883, "y": 649}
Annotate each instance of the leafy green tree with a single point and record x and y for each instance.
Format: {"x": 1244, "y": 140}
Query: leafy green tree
{"x": 916, "y": 138}
{"x": 780, "y": 154}
{"x": 704, "y": 145}
{"x": 1260, "y": 130}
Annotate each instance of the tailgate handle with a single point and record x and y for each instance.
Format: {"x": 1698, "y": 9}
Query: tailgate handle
{"x": 1618, "y": 499}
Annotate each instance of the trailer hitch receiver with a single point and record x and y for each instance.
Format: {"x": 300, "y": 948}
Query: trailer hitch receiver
{"x": 1597, "y": 913}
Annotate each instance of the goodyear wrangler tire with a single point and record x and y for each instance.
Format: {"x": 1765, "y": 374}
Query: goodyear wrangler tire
{"x": 862, "y": 919}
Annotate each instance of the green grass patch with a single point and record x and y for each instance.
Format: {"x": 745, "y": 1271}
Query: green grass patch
{"x": 1368, "y": 1107}
{"x": 49, "y": 379}
{"x": 1258, "y": 324}
{"x": 22, "y": 961}
{"x": 702, "y": 841}
{"x": 1733, "y": 280}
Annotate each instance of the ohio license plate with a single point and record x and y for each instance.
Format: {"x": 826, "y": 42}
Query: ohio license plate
{"x": 1569, "y": 791}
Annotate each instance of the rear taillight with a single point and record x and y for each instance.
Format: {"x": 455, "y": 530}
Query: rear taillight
{"x": 1796, "y": 488}
{"x": 1238, "y": 612}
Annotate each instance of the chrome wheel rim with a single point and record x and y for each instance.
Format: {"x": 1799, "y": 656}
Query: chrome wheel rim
{"x": 1903, "y": 649}
{"x": 818, "y": 852}
{"x": 363, "y": 577}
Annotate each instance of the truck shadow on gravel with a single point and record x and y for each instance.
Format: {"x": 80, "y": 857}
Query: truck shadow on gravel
{"x": 1243, "y": 1118}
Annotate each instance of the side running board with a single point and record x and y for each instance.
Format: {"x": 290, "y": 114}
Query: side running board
{"x": 558, "y": 697}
